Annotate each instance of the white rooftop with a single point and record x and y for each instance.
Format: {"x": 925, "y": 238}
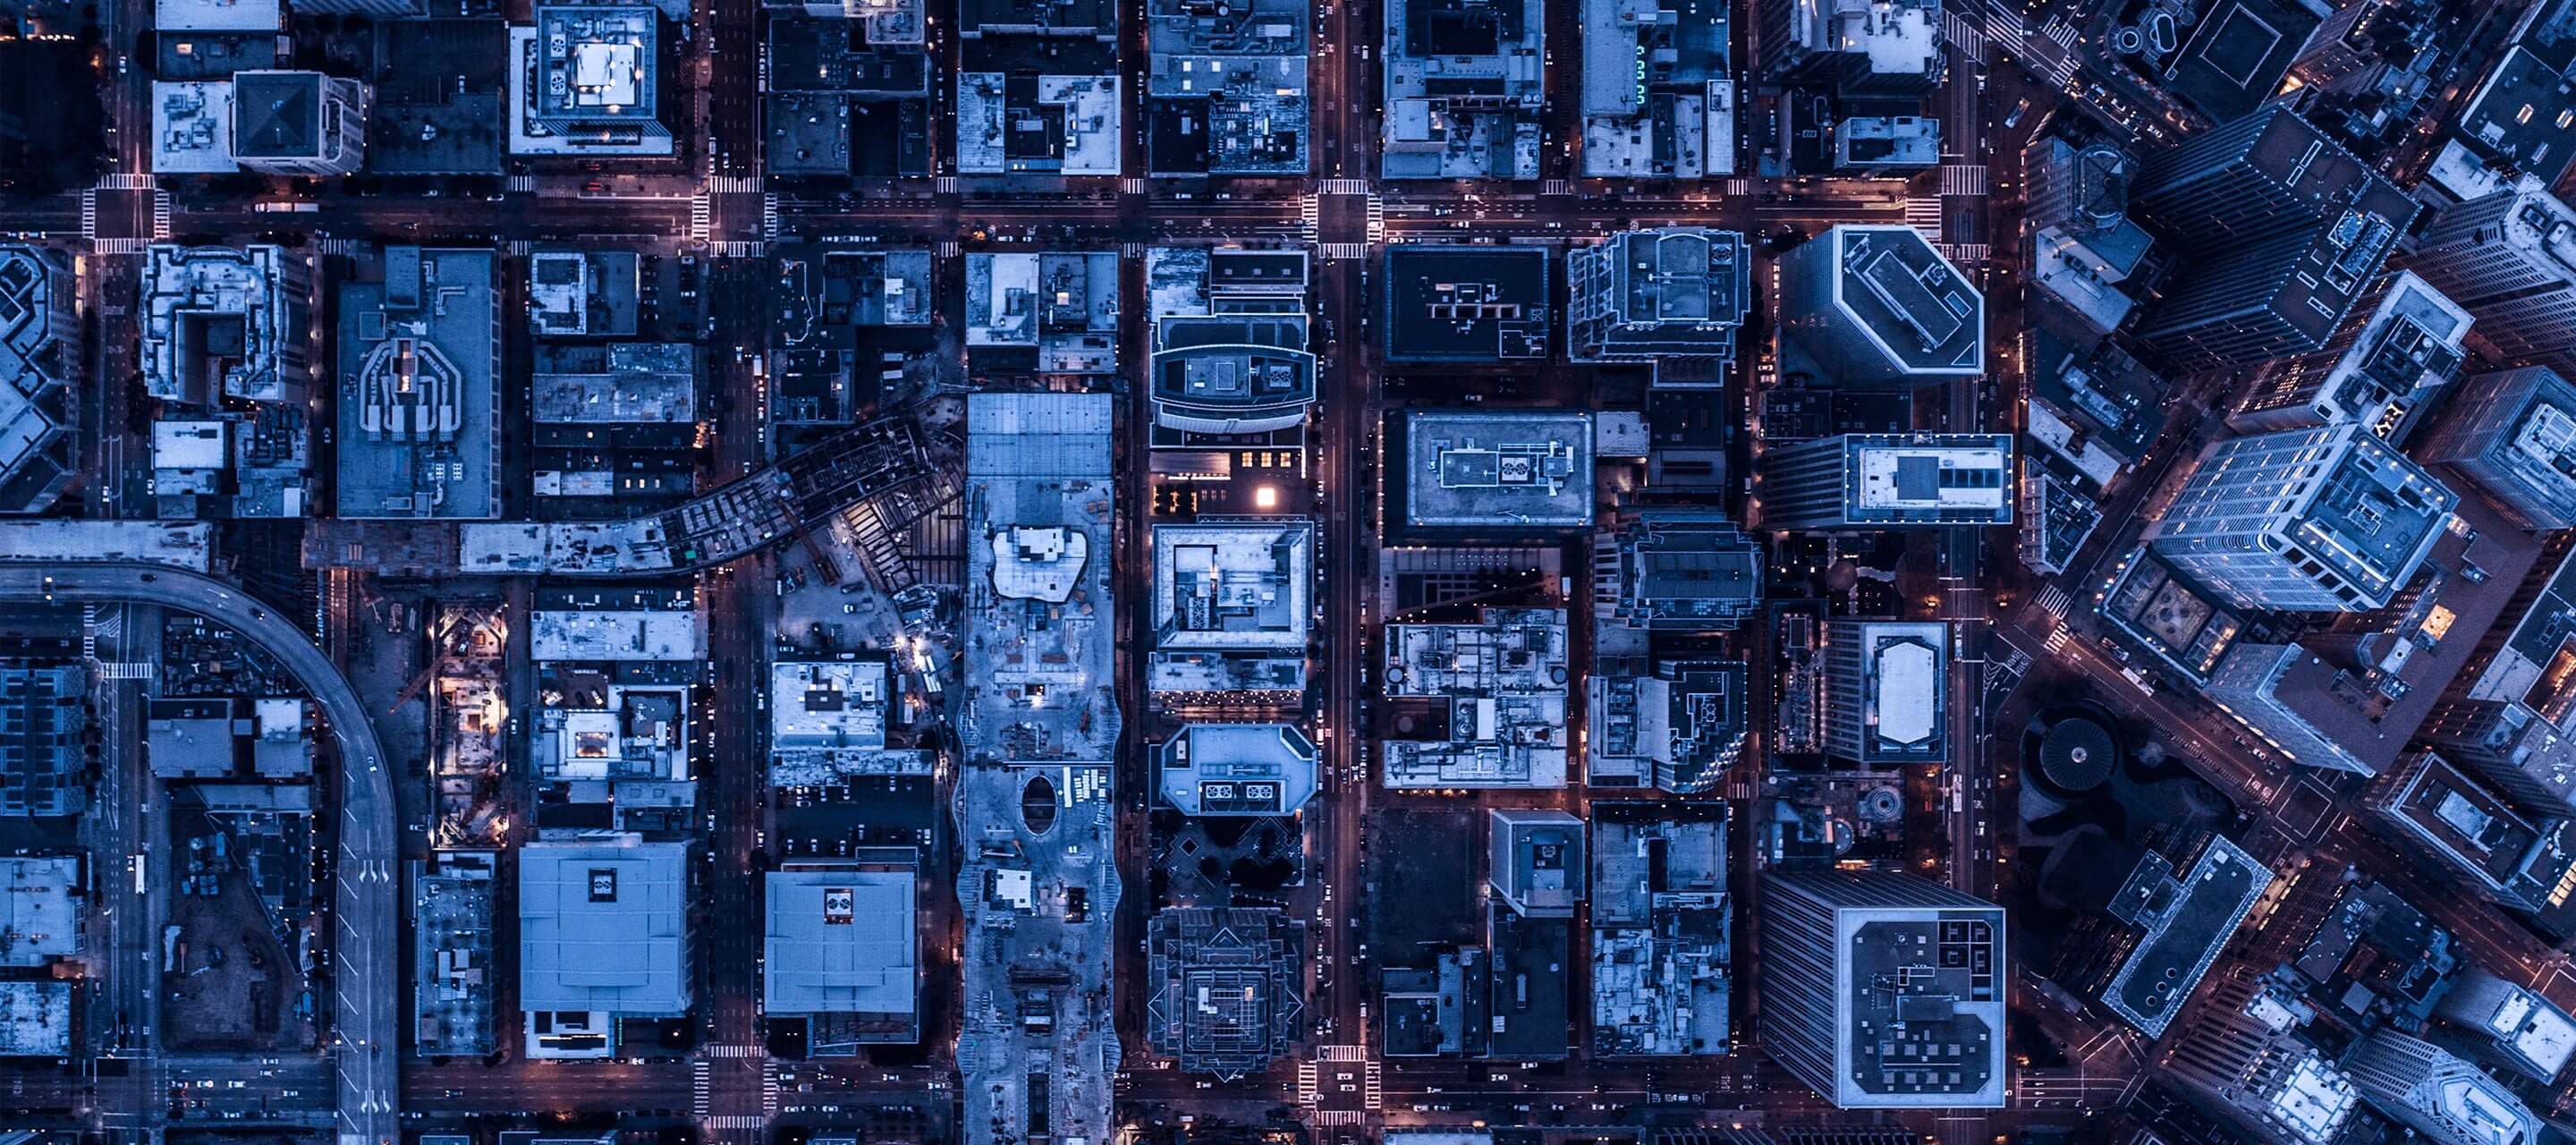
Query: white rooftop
{"x": 2314, "y": 1100}
{"x": 1922, "y": 477}
{"x": 215, "y": 15}
{"x": 192, "y": 127}
{"x": 191, "y": 443}
{"x": 618, "y": 635}
{"x": 827, "y": 704}
{"x": 185, "y": 545}
{"x": 1039, "y": 563}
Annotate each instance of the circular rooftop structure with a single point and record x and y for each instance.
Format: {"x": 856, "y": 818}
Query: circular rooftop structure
{"x": 2077, "y": 754}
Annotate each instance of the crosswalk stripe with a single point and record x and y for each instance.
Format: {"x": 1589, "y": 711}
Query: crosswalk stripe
{"x": 1963, "y": 179}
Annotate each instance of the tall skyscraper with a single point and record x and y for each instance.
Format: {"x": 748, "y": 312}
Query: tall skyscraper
{"x": 2315, "y": 520}
{"x": 299, "y": 123}
{"x": 1883, "y": 990}
{"x": 1864, "y": 47}
{"x": 1877, "y": 306}
{"x": 2511, "y": 435}
{"x": 2508, "y": 1025}
{"x": 2509, "y": 259}
{"x": 2397, "y": 349}
{"x": 1888, "y": 481}
{"x": 1887, "y": 692}
{"x": 2424, "y": 1087}
{"x": 2241, "y": 1061}
{"x": 2284, "y": 229}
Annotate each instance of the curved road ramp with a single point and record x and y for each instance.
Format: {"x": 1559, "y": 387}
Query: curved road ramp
{"x": 365, "y": 979}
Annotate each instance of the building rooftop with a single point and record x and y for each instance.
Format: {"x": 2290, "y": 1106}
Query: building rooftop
{"x": 834, "y": 55}
{"x": 419, "y": 356}
{"x": 185, "y": 544}
{"x": 618, "y": 635}
{"x": 1920, "y": 982}
{"x": 1019, "y": 123}
{"x": 1871, "y": 45}
{"x": 190, "y": 738}
{"x": 1234, "y": 584}
{"x": 44, "y": 761}
{"x": 1679, "y": 729}
{"x": 586, "y": 80}
{"x": 1466, "y": 303}
{"x": 192, "y": 127}
{"x": 40, "y": 361}
{"x": 1059, "y": 310}
{"x": 215, "y": 16}
{"x": 1658, "y": 89}
{"x": 2057, "y": 518}
{"x": 2365, "y": 687}
{"x": 1226, "y": 983}
{"x": 2370, "y": 518}
{"x": 584, "y": 293}
{"x": 1887, "y": 143}
{"x": 1463, "y": 87}
{"x": 1660, "y": 916}
{"x": 2431, "y": 804}
{"x": 1916, "y": 312}
{"x": 222, "y": 322}
{"x": 827, "y": 703}
{"x": 35, "y": 1019}
{"x": 278, "y": 115}
{"x": 1041, "y": 891}
{"x": 2506, "y": 123}
{"x": 609, "y": 739}
{"x": 1038, "y": 671}
{"x": 1226, "y": 93}
{"x": 841, "y": 938}
{"x": 1901, "y": 690}
{"x": 1236, "y": 769}
{"x": 2237, "y": 54}
{"x": 1503, "y": 681}
{"x": 1498, "y": 471}
{"x": 2098, "y": 409}
{"x": 1679, "y": 291}
{"x": 980, "y": 19}
{"x": 1530, "y": 1002}
{"x": 39, "y": 910}
{"x": 625, "y": 383}
{"x": 441, "y": 88}
{"x": 2511, "y": 435}
{"x": 1677, "y": 569}
{"x": 2416, "y": 1084}
{"x": 2187, "y": 920}
{"x": 1537, "y": 861}
{"x": 454, "y": 964}
{"x": 1901, "y": 480}
{"x": 603, "y": 925}
{"x": 2511, "y": 1024}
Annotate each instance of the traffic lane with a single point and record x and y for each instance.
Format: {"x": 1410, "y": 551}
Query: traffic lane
{"x": 366, "y": 978}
